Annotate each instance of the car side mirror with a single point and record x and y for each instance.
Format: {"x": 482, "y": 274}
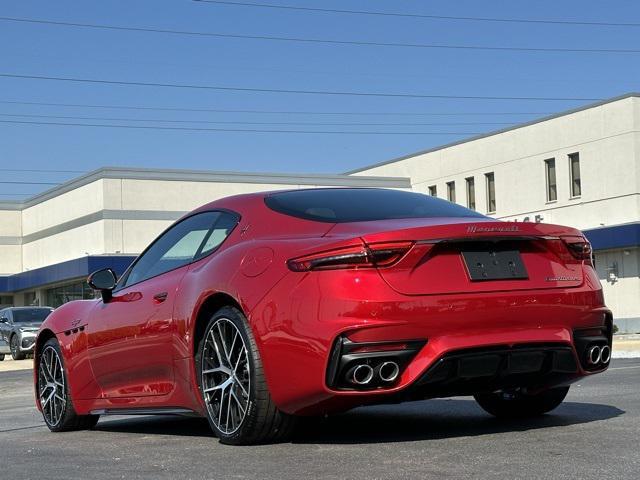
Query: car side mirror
{"x": 4, "y": 320}
{"x": 104, "y": 280}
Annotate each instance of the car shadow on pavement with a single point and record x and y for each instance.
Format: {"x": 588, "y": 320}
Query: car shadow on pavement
{"x": 422, "y": 420}
{"x": 437, "y": 419}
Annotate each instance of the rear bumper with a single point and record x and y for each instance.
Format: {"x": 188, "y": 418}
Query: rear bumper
{"x": 472, "y": 371}
{"x": 296, "y": 340}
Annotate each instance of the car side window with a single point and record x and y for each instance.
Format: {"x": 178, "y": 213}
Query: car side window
{"x": 218, "y": 233}
{"x": 178, "y": 246}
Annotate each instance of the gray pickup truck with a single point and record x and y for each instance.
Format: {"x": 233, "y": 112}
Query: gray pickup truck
{"x": 18, "y": 329}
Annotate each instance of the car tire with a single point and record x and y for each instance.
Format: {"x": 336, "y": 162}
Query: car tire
{"x": 54, "y": 393}
{"x": 1, "y": 357}
{"x": 517, "y": 404}
{"x": 14, "y": 343}
{"x": 229, "y": 369}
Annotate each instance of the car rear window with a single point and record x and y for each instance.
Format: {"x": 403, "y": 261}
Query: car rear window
{"x": 342, "y": 205}
{"x": 28, "y": 315}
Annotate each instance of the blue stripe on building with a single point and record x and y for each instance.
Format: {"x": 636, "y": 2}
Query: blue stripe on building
{"x": 77, "y": 268}
{"x": 617, "y": 236}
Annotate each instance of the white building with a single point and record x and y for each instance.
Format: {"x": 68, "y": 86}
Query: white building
{"x": 579, "y": 168}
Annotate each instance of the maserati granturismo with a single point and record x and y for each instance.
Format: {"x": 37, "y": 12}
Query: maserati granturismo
{"x": 257, "y": 309}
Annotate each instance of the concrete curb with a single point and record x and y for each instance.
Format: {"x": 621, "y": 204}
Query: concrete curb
{"x": 626, "y": 346}
{"x": 627, "y": 336}
{"x": 11, "y": 365}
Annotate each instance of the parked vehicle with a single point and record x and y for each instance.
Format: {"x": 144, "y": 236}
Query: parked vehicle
{"x": 255, "y": 309}
{"x": 18, "y": 329}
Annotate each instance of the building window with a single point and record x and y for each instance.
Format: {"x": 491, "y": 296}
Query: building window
{"x": 491, "y": 192}
{"x": 574, "y": 172}
{"x": 433, "y": 191}
{"x": 550, "y": 173}
{"x": 451, "y": 191}
{"x": 6, "y": 301}
{"x": 65, "y": 293}
{"x": 30, "y": 299}
{"x": 471, "y": 193}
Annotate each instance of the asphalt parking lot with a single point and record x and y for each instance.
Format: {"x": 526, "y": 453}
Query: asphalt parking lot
{"x": 594, "y": 434}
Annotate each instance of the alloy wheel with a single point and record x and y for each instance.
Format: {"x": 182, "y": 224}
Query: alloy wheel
{"x": 225, "y": 377}
{"x": 51, "y": 387}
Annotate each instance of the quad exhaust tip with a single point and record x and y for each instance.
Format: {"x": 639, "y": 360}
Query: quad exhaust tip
{"x": 388, "y": 371}
{"x": 594, "y": 355}
{"x": 598, "y": 355}
{"x": 361, "y": 374}
{"x": 605, "y": 354}
{"x": 365, "y": 374}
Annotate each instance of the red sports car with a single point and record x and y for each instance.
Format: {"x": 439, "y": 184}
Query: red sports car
{"x": 255, "y": 309}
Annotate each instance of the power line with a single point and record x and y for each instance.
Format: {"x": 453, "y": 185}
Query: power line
{"x": 193, "y": 129}
{"x": 323, "y": 40}
{"x": 418, "y": 15}
{"x": 289, "y": 91}
{"x": 224, "y": 122}
{"x": 11, "y": 182}
{"x": 278, "y": 112}
{"x": 37, "y": 170}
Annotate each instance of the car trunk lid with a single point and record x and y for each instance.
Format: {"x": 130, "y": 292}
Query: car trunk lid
{"x": 458, "y": 255}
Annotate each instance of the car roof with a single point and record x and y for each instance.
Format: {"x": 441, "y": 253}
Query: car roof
{"x": 237, "y": 202}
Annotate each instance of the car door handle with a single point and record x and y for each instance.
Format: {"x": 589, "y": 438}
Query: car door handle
{"x": 160, "y": 297}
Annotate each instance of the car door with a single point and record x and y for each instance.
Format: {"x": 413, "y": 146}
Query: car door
{"x": 129, "y": 337}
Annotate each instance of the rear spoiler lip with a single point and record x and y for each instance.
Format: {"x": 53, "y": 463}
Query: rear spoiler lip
{"x": 472, "y": 230}
{"x": 495, "y": 238}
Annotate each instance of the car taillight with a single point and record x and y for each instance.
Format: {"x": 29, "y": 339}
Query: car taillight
{"x": 360, "y": 256}
{"x": 580, "y": 248}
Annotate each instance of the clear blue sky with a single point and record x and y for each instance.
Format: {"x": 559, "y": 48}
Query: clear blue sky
{"x": 35, "y": 49}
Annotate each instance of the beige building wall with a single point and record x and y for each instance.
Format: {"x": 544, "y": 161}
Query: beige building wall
{"x": 67, "y": 245}
{"x": 62, "y": 208}
{"x": 10, "y": 238}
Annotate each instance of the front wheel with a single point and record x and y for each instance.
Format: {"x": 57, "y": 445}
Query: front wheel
{"x": 232, "y": 383}
{"x": 16, "y": 354}
{"x": 53, "y": 393}
{"x": 517, "y": 404}
{"x": 1, "y": 357}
